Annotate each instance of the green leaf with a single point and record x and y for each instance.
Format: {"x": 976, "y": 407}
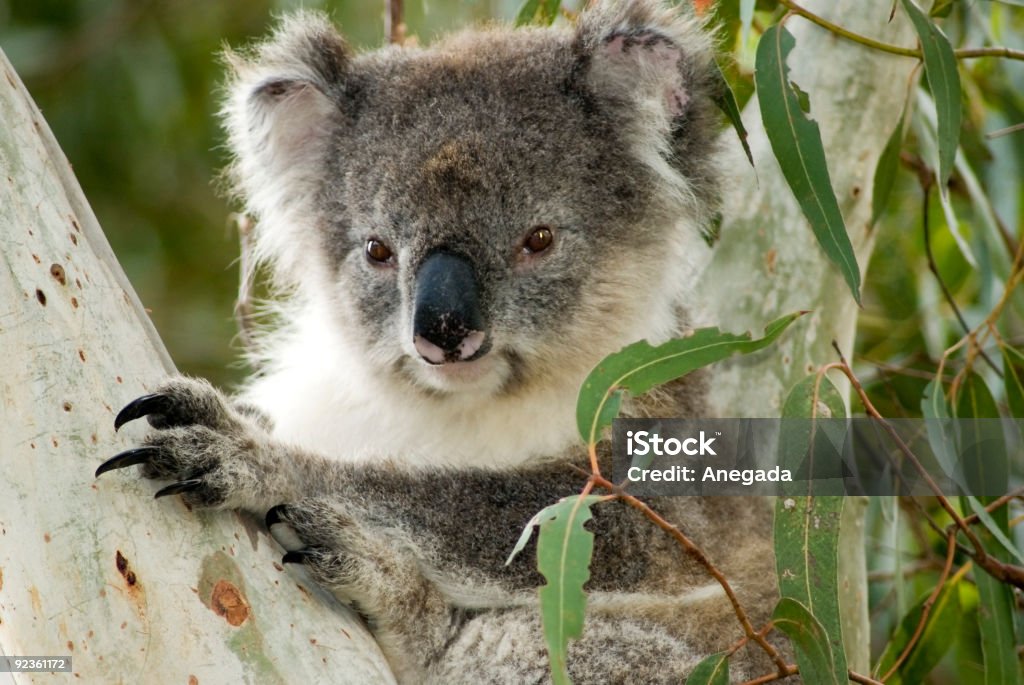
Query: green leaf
{"x": 541, "y": 12}
{"x": 564, "y": 549}
{"x": 639, "y": 367}
{"x": 807, "y": 562}
{"x": 796, "y": 142}
{"x": 885, "y": 172}
{"x": 798, "y": 440}
{"x": 993, "y": 527}
{"x": 806, "y": 534}
{"x": 985, "y": 462}
{"x": 800, "y": 403}
{"x": 726, "y": 101}
{"x": 938, "y": 636}
{"x": 995, "y": 621}
{"x": 981, "y": 449}
{"x": 712, "y": 670}
{"x": 813, "y": 654}
{"x": 941, "y": 438}
{"x": 1013, "y": 376}
{"x": 940, "y": 68}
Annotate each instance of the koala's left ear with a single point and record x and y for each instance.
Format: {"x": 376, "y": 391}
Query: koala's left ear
{"x": 642, "y": 53}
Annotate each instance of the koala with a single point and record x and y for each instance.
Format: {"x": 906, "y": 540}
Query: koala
{"x": 458, "y": 233}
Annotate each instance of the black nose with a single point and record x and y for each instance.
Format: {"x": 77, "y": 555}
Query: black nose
{"x": 448, "y": 323}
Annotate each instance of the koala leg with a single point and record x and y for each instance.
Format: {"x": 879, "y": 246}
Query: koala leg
{"x": 377, "y": 571}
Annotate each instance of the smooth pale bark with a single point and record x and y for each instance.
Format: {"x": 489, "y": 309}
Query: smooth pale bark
{"x": 134, "y": 590}
{"x": 768, "y": 263}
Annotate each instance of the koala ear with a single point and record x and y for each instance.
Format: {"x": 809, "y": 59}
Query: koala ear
{"x": 284, "y": 98}
{"x": 647, "y": 54}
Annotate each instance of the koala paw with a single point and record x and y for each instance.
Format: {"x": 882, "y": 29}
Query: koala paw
{"x": 209, "y": 450}
{"x": 360, "y": 565}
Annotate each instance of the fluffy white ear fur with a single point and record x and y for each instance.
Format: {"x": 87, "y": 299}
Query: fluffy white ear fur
{"x": 646, "y": 55}
{"x": 283, "y": 101}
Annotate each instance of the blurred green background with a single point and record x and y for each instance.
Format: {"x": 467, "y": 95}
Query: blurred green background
{"x": 130, "y": 89}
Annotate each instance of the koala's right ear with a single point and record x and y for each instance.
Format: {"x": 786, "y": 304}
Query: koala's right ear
{"x": 284, "y": 97}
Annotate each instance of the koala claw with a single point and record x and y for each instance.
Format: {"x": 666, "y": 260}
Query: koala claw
{"x": 274, "y": 517}
{"x": 156, "y": 403}
{"x": 299, "y": 556}
{"x": 132, "y": 457}
{"x": 179, "y": 487}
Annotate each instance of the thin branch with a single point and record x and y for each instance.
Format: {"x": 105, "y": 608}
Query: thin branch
{"x": 789, "y": 669}
{"x": 1006, "y": 573}
{"x": 1004, "y": 131}
{"x": 849, "y": 35}
{"x": 963, "y": 53}
{"x": 701, "y": 558}
{"x": 926, "y": 187}
{"x": 926, "y": 608}
{"x": 996, "y": 504}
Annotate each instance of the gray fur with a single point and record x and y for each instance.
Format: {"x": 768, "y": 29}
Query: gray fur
{"x": 405, "y": 487}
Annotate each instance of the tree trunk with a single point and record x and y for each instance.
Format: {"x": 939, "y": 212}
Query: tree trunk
{"x": 767, "y": 261}
{"x": 134, "y": 590}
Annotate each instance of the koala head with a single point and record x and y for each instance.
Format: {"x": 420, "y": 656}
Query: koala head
{"x": 499, "y": 207}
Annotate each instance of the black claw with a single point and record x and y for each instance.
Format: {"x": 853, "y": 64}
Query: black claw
{"x": 299, "y": 556}
{"x": 274, "y": 515}
{"x": 147, "y": 404}
{"x": 178, "y": 488}
{"x": 139, "y": 455}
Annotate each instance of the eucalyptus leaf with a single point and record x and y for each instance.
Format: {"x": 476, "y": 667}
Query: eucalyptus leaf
{"x": 712, "y": 670}
{"x": 639, "y": 367}
{"x": 813, "y": 653}
{"x": 942, "y": 72}
{"x": 936, "y": 639}
{"x": 993, "y": 528}
{"x": 796, "y": 142}
{"x": 564, "y": 550}
{"x": 726, "y": 101}
{"x": 885, "y": 172}
{"x": 1013, "y": 378}
{"x": 986, "y": 464}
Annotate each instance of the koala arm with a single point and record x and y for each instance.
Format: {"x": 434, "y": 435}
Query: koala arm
{"x": 459, "y": 524}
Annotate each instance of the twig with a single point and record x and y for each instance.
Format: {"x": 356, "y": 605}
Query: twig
{"x": 1006, "y": 573}
{"x": 788, "y": 670}
{"x": 995, "y": 504}
{"x": 926, "y": 188}
{"x": 1004, "y": 131}
{"x": 963, "y": 53}
{"x": 701, "y": 558}
{"x": 926, "y": 608}
{"x": 863, "y": 679}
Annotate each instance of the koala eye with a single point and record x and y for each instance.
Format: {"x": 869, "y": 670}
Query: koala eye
{"x": 378, "y": 253}
{"x": 539, "y": 239}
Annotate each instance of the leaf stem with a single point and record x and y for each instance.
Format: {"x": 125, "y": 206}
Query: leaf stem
{"x": 963, "y": 53}
{"x": 701, "y": 558}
